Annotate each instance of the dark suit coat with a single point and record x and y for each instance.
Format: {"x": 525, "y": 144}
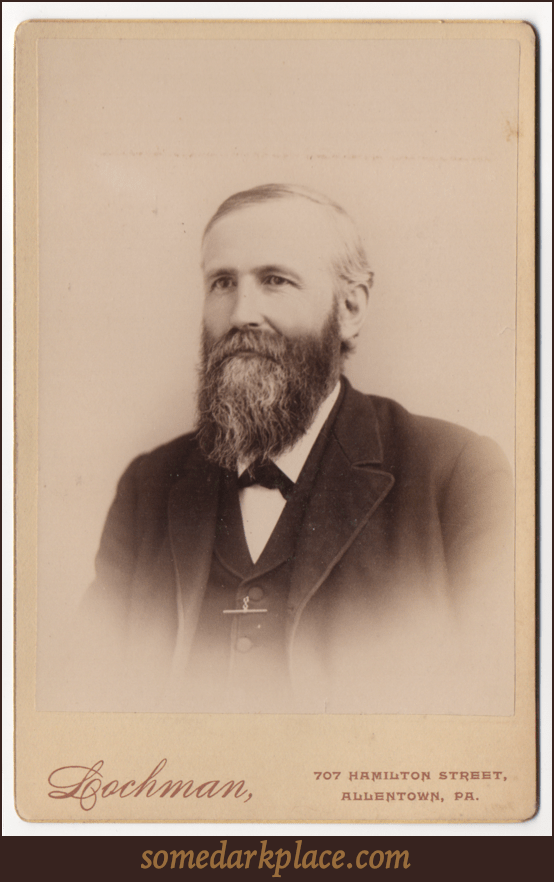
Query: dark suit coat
{"x": 400, "y": 599}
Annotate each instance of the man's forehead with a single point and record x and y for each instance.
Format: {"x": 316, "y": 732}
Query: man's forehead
{"x": 294, "y": 226}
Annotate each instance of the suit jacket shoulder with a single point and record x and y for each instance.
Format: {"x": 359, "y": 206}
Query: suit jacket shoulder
{"x": 442, "y": 472}
{"x": 436, "y": 442}
{"x": 415, "y": 448}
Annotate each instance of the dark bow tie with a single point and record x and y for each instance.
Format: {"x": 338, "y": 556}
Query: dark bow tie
{"x": 268, "y": 475}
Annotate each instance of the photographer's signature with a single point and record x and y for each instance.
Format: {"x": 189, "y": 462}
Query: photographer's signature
{"x": 87, "y": 784}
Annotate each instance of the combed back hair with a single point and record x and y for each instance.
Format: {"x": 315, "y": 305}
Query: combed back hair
{"x": 349, "y": 263}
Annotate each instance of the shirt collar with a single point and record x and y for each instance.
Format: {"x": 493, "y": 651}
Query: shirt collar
{"x": 291, "y": 462}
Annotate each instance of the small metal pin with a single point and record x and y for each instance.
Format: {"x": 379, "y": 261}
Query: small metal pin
{"x": 245, "y": 609}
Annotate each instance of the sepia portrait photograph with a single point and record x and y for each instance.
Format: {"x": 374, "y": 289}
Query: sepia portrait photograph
{"x": 277, "y": 281}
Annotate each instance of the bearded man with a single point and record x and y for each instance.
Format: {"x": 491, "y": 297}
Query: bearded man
{"x": 308, "y": 548}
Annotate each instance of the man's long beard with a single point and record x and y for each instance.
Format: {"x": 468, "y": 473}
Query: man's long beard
{"x": 260, "y": 391}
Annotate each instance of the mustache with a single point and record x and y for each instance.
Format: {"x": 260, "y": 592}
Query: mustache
{"x": 237, "y": 341}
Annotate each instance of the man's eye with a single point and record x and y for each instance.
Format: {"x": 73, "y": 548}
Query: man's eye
{"x": 221, "y": 284}
{"x": 276, "y": 281}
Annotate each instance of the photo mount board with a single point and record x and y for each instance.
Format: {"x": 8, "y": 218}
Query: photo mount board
{"x": 294, "y": 767}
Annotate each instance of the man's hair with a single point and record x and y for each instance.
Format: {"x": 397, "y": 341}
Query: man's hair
{"x": 350, "y": 263}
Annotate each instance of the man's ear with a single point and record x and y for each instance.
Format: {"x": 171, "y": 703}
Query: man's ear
{"x": 353, "y": 303}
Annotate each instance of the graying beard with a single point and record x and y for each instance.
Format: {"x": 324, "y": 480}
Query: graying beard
{"x": 255, "y": 406}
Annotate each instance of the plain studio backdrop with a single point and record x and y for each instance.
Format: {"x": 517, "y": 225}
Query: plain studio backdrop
{"x": 141, "y": 140}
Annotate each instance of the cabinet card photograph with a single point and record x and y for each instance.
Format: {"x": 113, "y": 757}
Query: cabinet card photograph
{"x": 275, "y": 415}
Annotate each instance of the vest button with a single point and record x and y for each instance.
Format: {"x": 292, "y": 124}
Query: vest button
{"x": 243, "y": 644}
{"x": 255, "y": 593}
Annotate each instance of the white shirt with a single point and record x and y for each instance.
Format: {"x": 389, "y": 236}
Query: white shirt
{"x": 261, "y": 508}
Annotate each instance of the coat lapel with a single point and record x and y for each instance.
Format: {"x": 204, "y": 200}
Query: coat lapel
{"x": 349, "y": 487}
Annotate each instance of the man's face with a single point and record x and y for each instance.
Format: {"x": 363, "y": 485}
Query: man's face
{"x": 267, "y": 267}
{"x": 272, "y": 344}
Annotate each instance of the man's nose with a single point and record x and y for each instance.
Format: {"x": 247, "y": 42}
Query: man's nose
{"x": 247, "y": 305}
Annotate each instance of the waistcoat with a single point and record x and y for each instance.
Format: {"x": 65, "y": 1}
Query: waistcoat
{"x": 238, "y": 660}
